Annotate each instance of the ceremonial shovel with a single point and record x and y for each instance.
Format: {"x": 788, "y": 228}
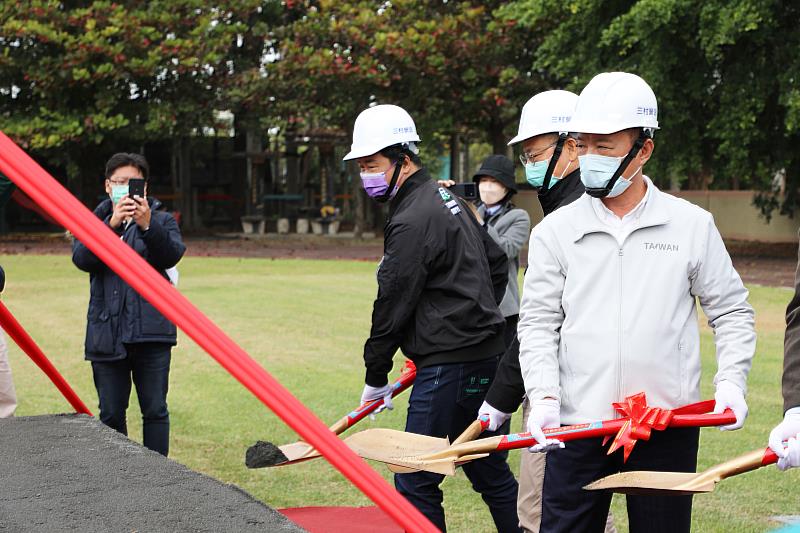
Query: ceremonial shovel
{"x": 680, "y": 483}
{"x": 265, "y": 454}
{"x": 408, "y": 452}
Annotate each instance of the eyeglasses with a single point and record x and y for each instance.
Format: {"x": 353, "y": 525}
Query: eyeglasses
{"x": 527, "y": 157}
{"x": 122, "y": 180}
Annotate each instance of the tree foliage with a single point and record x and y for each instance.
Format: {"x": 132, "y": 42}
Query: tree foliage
{"x": 75, "y": 76}
{"x": 79, "y": 76}
{"x": 454, "y": 65}
{"x": 726, "y": 75}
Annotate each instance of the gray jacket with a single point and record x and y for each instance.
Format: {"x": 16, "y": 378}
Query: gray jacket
{"x": 509, "y": 228}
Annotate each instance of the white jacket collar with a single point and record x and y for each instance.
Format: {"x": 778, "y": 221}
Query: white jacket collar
{"x": 586, "y": 221}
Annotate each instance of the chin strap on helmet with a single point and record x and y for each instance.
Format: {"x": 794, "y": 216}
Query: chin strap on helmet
{"x": 562, "y": 138}
{"x": 602, "y": 192}
{"x": 398, "y": 165}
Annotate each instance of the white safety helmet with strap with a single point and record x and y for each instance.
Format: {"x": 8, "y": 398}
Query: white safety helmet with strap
{"x": 547, "y": 112}
{"x": 612, "y": 102}
{"x": 379, "y": 127}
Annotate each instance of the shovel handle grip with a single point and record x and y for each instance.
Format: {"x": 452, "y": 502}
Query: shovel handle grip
{"x": 707, "y": 419}
{"x": 769, "y": 457}
{"x": 406, "y": 379}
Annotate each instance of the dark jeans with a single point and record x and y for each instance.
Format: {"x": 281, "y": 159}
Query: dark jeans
{"x": 567, "y": 507}
{"x": 148, "y": 365}
{"x": 444, "y": 401}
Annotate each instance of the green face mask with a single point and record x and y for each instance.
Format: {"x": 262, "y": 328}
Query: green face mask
{"x": 117, "y": 192}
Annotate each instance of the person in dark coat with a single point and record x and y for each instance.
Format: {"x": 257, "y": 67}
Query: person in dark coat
{"x": 439, "y": 285}
{"x": 507, "y": 225}
{"x": 127, "y": 339}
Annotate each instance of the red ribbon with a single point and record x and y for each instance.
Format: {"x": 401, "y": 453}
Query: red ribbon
{"x": 642, "y": 419}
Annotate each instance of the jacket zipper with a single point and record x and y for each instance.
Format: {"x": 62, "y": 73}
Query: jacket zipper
{"x": 619, "y": 331}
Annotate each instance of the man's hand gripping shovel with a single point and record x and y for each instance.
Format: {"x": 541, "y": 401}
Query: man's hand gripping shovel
{"x": 265, "y": 454}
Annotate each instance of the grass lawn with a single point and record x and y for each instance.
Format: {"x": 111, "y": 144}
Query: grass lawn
{"x": 305, "y": 322}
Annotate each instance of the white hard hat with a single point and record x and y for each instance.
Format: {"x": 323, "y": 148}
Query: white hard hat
{"x": 547, "y": 112}
{"x": 379, "y": 127}
{"x": 615, "y": 101}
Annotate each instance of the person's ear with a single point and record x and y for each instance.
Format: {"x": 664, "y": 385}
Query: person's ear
{"x": 108, "y": 186}
{"x": 646, "y": 151}
{"x": 571, "y": 149}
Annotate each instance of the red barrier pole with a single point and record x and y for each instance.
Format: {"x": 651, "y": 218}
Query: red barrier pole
{"x": 27, "y": 344}
{"x": 69, "y": 212}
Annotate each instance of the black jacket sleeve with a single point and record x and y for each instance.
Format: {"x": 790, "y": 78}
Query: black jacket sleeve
{"x": 402, "y": 276}
{"x": 497, "y": 258}
{"x": 163, "y": 239}
{"x": 507, "y": 390}
{"x": 791, "y": 349}
{"x": 498, "y": 265}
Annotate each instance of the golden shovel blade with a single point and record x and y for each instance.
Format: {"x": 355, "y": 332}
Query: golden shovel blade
{"x": 645, "y": 483}
{"x": 400, "y": 450}
{"x": 298, "y": 451}
{"x": 678, "y": 483}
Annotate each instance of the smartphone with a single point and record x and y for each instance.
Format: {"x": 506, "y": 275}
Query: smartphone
{"x": 467, "y": 191}
{"x": 136, "y": 187}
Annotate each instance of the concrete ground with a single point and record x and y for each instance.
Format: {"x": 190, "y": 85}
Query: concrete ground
{"x": 71, "y": 473}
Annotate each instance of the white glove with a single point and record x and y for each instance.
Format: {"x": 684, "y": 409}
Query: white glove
{"x": 376, "y": 393}
{"x": 792, "y": 455}
{"x": 496, "y": 418}
{"x": 730, "y": 396}
{"x": 789, "y": 429}
{"x": 544, "y": 414}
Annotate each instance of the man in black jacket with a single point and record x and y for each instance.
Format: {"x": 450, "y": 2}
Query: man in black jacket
{"x": 439, "y": 285}
{"x": 126, "y": 337}
{"x": 550, "y": 157}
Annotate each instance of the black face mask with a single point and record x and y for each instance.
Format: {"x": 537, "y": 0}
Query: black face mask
{"x": 602, "y": 192}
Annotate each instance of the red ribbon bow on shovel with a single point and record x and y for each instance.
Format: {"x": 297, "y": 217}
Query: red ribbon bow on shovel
{"x": 642, "y": 420}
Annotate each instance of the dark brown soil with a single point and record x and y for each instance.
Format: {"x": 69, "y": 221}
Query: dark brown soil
{"x": 760, "y": 263}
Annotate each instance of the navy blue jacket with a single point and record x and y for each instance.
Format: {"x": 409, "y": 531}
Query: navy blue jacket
{"x": 117, "y": 314}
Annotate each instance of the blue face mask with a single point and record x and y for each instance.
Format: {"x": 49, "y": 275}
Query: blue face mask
{"x": 535, "y": 173}
{"x": 117, "y": 192}
{"x": 597, "y": 170}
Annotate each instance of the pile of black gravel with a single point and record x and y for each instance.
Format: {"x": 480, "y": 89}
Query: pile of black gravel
{"x": 71, "y": 473}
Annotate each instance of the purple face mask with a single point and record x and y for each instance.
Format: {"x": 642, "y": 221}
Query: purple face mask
{"x": 375, "y": 185}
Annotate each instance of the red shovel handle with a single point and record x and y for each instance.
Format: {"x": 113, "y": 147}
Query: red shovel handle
{"x": 611, "y": 427}
{"x": 709, "y": 419}
{"x": 406, "y": 379}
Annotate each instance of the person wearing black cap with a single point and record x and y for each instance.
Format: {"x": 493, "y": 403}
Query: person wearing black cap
{"x": 507, "y": 224}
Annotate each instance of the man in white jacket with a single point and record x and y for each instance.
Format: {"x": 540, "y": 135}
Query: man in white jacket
{"x": 608, "y": 310}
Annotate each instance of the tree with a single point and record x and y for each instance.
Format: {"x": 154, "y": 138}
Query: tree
{"x": 725, "y": 75}
{"x": 80, "y": 79}
{"x": 453, "y": 65}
